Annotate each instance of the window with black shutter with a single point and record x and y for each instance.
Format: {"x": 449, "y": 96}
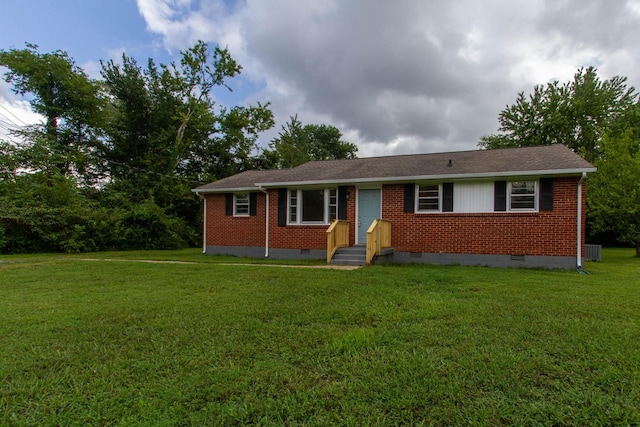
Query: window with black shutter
{"x": 447, "y": 197}
{"x": 228, "y": 204}
{"x": 282, "y": 207}
{"x": 342, "y": 202}
{"x": 409, "y": 197}
{"x": 500, "y": 196}
{"x": 546, "y": 194}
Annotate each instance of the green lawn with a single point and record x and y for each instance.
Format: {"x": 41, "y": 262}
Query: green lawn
{"x": 127, "y": 343}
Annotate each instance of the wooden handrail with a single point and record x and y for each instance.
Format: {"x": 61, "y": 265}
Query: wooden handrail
{"x": 378, "y": 238}
{"x": 337, "y": 237}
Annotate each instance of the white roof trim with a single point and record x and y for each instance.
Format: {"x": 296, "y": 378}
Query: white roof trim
{"x": 225, "y": 190}
{"x": 261, "y": 185}
{"x": 427, "y": 177}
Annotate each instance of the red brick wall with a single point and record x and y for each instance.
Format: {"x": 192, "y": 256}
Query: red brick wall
{"x": 225, "y": 230}
{"x": 305, "y": 236}
{"x": 551, "y": 233}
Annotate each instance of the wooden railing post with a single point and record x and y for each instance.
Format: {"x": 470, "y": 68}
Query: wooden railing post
{"x": 337, "y": 237}
{"x": 378, "y": 237}
{"x": 372, "y": 241}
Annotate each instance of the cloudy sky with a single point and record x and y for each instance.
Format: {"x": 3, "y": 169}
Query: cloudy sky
{"x": 403, "y": 76}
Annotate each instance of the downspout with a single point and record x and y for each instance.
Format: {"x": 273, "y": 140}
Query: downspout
{"x": 266, "y": 228}
{"x": 579, "y": 223}
{"x": 204, "y": 223}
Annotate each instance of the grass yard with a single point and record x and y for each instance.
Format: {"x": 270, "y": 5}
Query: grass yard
{"x": 127, "y": 343}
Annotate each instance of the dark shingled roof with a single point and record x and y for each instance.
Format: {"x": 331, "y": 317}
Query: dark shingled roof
{"x": 549, "y": 159}
{"x": 244, "y": 180}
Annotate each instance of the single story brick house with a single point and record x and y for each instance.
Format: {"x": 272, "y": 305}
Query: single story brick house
{"x": 515, "y": 207}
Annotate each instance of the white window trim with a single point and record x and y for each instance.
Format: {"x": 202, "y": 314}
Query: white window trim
{"x": 417, "y": 201}
{"x": 536, "y": 190}
{"x": 299, "y": 207}
{"x": 235, "y": 204}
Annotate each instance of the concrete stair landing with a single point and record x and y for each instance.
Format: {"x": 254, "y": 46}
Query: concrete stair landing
{"x": 353, "y": 255}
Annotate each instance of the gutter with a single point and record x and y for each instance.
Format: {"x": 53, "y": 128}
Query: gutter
{"x": 266, "y": 228}
{"x": 396, "y": 179}
{"x": 204, "y": 222}
{"x": 198, "y": 191}
{"x": 579, "y": 223}
{"x": 411, "y": 178}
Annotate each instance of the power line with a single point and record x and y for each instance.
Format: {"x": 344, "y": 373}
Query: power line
{"x": 4, "y": 121}
{"x": 7, "y": 126}
{"x": 18, "y": 118}
{"x": 70, "y": 150}
{"x": 7, "y": 121}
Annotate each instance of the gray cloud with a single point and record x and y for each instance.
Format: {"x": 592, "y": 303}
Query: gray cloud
{"x": 408, "y": 76}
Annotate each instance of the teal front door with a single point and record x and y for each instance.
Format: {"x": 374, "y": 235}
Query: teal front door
{"x": 369, "y": 209}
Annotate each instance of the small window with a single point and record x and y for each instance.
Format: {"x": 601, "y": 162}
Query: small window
{"x": 293, "y": 206}
{"x": 522, "y": 195}
{"x": 428, "y": 199}
{"x": 333, "y": 204}
{"x": 241, "y": 204}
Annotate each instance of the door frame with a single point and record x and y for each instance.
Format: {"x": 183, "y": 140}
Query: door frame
{"x": 379, "y": 188}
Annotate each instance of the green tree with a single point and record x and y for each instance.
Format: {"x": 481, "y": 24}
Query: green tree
{"x": 113, "y": 165}
{"x": 166, "y": 134}
{"x": 575, "y": 114}
{"x": 8, "y": 164}
{"x": 166, "y": 123}
{"x": 40, "y": 212}
{"x": 614, "y": 190}
{"x": 297, "y": 144}
{"x": 71, "y": 103}
{"x": 291, "y": 146}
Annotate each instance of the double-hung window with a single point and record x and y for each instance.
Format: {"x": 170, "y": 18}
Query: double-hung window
{"x": 318, "y": 206}
{"x": 241, "y": 204}
{"x": 428, "y": 198}
{"x": 522, "y": 195}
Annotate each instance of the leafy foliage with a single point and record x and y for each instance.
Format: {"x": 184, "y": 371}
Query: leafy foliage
{"x": 297, "y": 144}
{"x": 71, "y": 103}
{"x": 166, "y": 135}
{"x": 43, "y": 213}
{"x": 614, "y": 202}
{"x": 125, "y": 151}
{"x": 575, "y": 114}
{"x": 165, "y": 122}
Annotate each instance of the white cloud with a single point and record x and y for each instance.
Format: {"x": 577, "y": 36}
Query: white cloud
{"x": 92, "y": 69}
{"x": 15, "y": 112}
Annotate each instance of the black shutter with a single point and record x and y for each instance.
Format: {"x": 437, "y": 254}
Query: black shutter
{"x": 252, "y": 203}
{"x": 282, "y": 207}
{"x": 546, "y": 194}
{"x": 447, "y": 197}
{"x": 409, "y": 197}
{"x": 500, "y": 196}
{"x": 342, "y": 202}
{"x": 228, "y": 205}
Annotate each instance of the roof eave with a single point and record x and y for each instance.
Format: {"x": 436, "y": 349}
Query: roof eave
{"x": 223, "y": 190}
{"x": 556, "y": 172}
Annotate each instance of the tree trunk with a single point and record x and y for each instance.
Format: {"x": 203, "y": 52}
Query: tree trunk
{"x": 638, "y": 249}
